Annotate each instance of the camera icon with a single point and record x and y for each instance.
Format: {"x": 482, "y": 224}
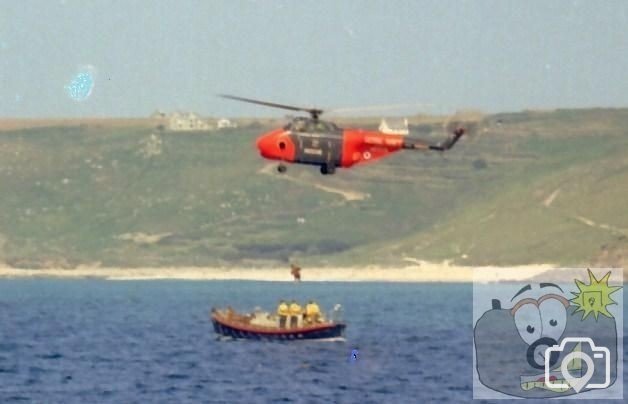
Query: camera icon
{"x": 578, "y": 383}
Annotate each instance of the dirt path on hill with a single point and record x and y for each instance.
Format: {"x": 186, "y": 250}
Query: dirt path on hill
{"x": 348, "y": 194}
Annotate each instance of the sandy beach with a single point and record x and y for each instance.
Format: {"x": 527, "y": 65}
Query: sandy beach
{"x": 422, "y": 272}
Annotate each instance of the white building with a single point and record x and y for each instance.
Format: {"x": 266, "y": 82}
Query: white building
{"x": 394, "y": 126}
{"x": 180, "y": 121}
{"x": 224, "y": 123}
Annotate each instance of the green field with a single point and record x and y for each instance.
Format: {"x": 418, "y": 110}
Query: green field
{"x": 532, "y": 187}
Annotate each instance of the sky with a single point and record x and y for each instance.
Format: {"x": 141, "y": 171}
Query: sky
{"x": 145, "y": 55}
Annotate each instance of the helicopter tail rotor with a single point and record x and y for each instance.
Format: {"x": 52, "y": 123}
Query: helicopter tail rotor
{"x": 468, "y": 121}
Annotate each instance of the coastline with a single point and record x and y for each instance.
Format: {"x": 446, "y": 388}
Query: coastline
{"x": 423, "y": 272}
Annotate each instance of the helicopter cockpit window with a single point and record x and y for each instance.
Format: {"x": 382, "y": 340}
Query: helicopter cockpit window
{"x": 311, "y": 126}
{"x": 299, "y": 126}
{"x": 325, "y": 127}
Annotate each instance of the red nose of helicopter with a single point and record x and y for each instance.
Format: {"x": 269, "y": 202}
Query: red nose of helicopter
{"x": 265, "y": 145}
{"x": 276, "y": 145}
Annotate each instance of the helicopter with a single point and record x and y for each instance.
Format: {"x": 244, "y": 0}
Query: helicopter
{"x": 312, "y": 141}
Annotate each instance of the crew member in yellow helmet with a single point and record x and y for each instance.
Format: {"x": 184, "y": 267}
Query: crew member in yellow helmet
{"x": 283, "y": 312}
{"x": 295, "y": 312}
{"x": 312, "y": 312}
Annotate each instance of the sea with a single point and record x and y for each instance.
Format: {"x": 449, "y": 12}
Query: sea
{"x": 151, "y": 341}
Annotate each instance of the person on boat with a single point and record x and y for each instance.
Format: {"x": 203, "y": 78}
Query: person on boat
{"x": 295, "y": 312}
{"x": 312, "y": 312}
{"x": 295, "y": 270}
{"x": 283, "y": 312}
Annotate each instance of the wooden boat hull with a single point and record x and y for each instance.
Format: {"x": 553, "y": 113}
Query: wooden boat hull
{"x": 243, "y": 331}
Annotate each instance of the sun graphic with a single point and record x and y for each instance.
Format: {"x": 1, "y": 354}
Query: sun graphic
{"x": 594, "y": 297}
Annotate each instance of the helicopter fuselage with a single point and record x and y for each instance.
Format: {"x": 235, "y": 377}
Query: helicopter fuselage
{"x": 320, "y": 143}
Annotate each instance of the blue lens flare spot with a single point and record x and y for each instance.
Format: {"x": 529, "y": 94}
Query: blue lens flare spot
{"x": 81, "y": 86}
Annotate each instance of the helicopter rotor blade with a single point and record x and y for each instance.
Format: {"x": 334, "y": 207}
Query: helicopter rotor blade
{"x": 380, "y": 109}
{"x": 314, "y": 112}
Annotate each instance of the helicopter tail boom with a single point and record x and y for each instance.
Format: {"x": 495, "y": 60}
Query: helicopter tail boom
{"x": 442, "y": 146}
{"x": 450, "y": 142}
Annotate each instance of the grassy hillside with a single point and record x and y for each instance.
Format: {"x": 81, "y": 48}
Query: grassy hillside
{"x": 533, "y": 187}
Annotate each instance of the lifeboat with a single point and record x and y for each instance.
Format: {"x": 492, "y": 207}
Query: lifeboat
{"x": 260, "y": 325}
